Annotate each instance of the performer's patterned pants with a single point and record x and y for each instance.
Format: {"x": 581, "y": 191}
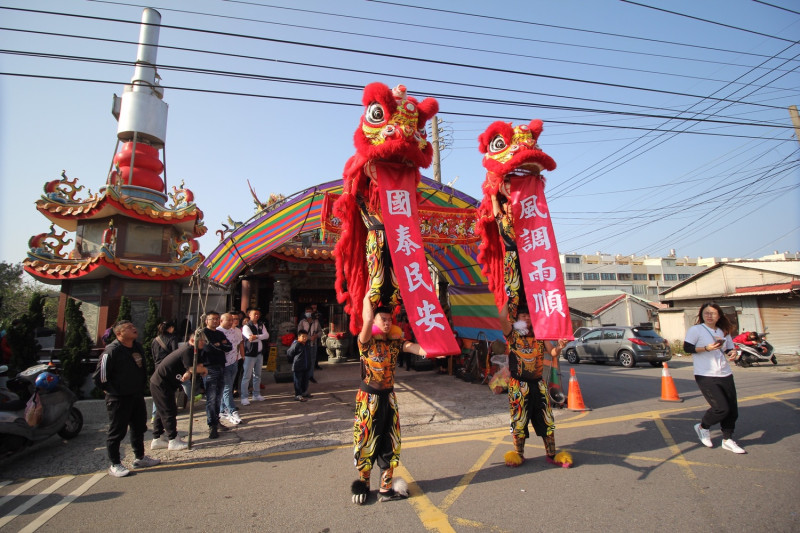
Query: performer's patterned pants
{"x": 376, "y": 435}
{"x": 529, "y": 401}
{"x": 383, "y": 287}
{"x": 513, "y": 282}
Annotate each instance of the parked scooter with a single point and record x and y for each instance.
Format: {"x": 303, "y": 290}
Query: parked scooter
{"x": 58, "y": 413}
{"x": 760, "y": 352}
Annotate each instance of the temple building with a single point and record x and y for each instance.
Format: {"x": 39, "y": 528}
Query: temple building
{"x": 134, "y": 237}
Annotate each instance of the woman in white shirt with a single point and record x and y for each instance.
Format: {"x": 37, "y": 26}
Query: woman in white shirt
{"x": 710, "y": 344}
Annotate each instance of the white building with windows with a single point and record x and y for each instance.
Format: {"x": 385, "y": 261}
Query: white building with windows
{"x": 642, "y": 276}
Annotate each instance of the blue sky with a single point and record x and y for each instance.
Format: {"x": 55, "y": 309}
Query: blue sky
{"x": 616, "y": 84}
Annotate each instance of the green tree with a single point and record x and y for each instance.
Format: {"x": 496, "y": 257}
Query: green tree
{"x": 36, "y": 309}
{"x": 22, "y": 334}
{"x": 124, "y": 309}
{"x": 16, "y": 293}
{"x": 11, "y": 305}
{"x": 77, "y": 347}
{"x": 150, "y": 333}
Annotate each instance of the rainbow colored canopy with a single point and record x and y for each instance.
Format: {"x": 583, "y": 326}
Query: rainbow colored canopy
{"x": 302, "y": 213}
{"x": 473, "y": 311}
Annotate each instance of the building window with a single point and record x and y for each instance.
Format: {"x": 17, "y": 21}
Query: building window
{"x": 572, "y": 260}
{"x": 670, "y": 277}
{"x": 144, "y": 239}
{"x": 653, "y": 291}
{"x": 639, "y": 289}
{"x": 624, "y": 277}
{"x": 591, "y": 275}
{"x": 654, "y": 277}
{"x": 682, "y": 277}
{"x": 573, "y": 276}
{"x": 640, "y": 277}
{"x": 608, "y": 276}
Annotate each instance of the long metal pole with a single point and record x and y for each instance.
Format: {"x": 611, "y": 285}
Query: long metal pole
{"x": 437, "y": 169}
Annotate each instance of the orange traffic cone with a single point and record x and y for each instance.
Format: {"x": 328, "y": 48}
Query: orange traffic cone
{"x": 575, "y": 398}
{"x": 668, "y": 391}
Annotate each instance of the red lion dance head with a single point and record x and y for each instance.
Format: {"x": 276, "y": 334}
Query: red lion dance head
{"x": 391, "y": 132}
{"x": 508, "y": 152}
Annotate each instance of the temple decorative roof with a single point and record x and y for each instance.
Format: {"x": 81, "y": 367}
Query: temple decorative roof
{"x": 48, "y": 262}
{"x": 452, "y": 252}
{"x": 60, "y": 206}
{"x": 56, "y": 270}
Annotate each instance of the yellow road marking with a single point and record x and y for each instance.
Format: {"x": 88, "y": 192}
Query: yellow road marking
{"x": 433, "y": 518}
{"x": 677, "y": 454}
{"x": 464, "y": 482}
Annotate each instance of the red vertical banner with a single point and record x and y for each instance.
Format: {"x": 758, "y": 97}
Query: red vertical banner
{"x": 397, "y": 184}
{"x": 540, "y": 266}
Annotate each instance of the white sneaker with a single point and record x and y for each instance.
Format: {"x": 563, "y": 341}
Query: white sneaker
{"x": 177, "y": 444}
{"x": 258, "y": 398}
{"x": 235, "y": 419}
{"x": 160, "y": 443}
{"x": 145, "y": 462}
{"x": 731, "y": 446}
{"x": 118, "y": 470}
{"x": 245, "y": 401}
{"x": 704, "y": 435}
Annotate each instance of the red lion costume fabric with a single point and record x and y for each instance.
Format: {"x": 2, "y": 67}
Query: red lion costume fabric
{"x": 391, "y": 133}
{"x": 508, "y": 152}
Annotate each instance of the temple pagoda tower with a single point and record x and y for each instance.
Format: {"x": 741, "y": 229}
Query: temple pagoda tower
{"x": 133, "y": 237}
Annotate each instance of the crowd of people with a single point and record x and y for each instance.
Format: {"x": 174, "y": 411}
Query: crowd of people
{"x": 223, "y": 358}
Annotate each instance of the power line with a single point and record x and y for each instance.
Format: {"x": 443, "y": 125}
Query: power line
{"x": 385, "y": 55}
{"x": 343, "y": 69}
{"x": 777, "y": 7}
{"x": 351, "y": 104}
{"x": 708, "y": 21}
{"x": 396, "y": 38}
{"x": 214, "y": 72}
{"x": 641, "y": 149}
{"x": 482, "y": 17}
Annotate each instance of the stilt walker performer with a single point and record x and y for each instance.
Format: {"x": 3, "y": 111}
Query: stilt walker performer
{"x": 376, "y": 432}
{"x": 519, "y": 257}
{"x": 527, "y": 393}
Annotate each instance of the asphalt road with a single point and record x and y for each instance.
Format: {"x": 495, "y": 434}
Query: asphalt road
{"x": 638, "y": 464}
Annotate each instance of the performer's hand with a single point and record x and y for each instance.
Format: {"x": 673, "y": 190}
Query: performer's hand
{"x": 562, "y": 343}
{"x": 505, "y": 188}
{"x": 370, "y": 170}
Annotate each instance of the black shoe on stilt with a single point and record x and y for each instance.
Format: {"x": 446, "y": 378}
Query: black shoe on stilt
{"x": 360, "y": 492}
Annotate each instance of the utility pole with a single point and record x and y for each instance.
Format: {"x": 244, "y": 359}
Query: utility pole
{"x": 437, "y": 170}
{"x": 795, "y": 121}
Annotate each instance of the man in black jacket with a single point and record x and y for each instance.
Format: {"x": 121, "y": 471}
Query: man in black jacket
{"x": 213, "y": 358}
{"x": 123, "y": 376}
{"x": 174, "y": 369}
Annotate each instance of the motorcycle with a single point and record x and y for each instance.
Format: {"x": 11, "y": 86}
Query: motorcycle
{"x": 759, "y": 352}
{"x": 58, "y": 412}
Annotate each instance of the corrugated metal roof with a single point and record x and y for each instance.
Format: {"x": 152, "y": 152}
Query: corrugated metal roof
{"x": 782, "y": 267}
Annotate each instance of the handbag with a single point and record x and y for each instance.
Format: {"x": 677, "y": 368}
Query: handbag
{"x": 33, "y": 411}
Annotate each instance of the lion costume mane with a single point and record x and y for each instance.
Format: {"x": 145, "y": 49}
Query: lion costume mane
{"x": 391, "y": 132}
{"x": 508, "y": 151}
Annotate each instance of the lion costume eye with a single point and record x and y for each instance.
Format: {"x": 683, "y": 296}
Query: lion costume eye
{"x": 498, "y": 144}
{"x": 375, "y": 114}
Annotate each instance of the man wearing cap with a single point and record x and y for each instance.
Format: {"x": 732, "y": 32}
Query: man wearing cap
{"x": 174, "y": 369}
